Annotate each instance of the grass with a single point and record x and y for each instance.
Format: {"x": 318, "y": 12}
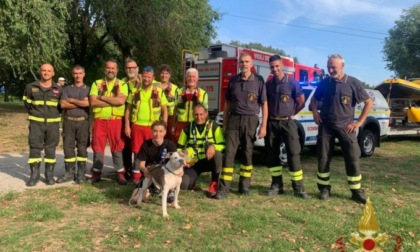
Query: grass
{"x": 98, "y": 217}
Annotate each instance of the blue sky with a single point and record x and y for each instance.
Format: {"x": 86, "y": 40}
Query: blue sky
{"x": 313, "y": 29}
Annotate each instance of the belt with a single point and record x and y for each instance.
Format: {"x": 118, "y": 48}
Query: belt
{"x": 109, "y": 118}
{"x": 77, "y": 119}
{"x": 282, "y": 118}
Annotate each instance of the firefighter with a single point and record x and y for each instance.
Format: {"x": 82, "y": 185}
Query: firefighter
{"x": 144, "y": 106}
{"x": 41, "y": 99}
{"x": 75, "y": 102}
{"x": 185, "y": 100}
{"x": 339, "y": 95}
{"x": 204, "y": 142}
{"x": 107, "y": 97}
{"x": 245, "y": 96}
{"x": 170, "y": 90}
{"x": 133, "y": 79}
{"x": 285, "y": 99}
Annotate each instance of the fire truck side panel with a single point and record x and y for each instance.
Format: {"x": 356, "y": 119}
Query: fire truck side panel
{"x": 229, "y": 69}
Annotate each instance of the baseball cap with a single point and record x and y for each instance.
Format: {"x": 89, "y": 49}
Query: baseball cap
{"x": 61, "y": 78}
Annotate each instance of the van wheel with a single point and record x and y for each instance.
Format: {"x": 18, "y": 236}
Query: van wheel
{"x": 283, "y": 154}
{"x": 367, "y": 143}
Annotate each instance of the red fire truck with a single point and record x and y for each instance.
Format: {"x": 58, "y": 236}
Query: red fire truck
{"x": 218, "y": 63}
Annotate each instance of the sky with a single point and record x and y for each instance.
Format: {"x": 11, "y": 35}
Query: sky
{"x": 313, "y": 29}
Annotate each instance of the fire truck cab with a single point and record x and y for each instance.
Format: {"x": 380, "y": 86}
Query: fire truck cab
{"x": 218, "y": 63}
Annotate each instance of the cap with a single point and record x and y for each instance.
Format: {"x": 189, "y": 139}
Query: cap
{"x": 61, "y": 78}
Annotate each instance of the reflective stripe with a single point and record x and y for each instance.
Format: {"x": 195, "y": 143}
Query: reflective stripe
{"x": 276, "y": 168}
{"x": 246, "y": 167}
{"x": 355, "y": 186}
{"x": 49, "y": 160}
{"x": 276, "y": 174}
{"x": 34, "y": 160}
{"x": 226, "y": 177}
{"x": 70, "y": 160}
{"x": 245, "y": 174}
{"x": 227, "y": 170}
{"x": 40, "y": 119}
{"x": 356, "y": 178}
{"x": 276, "y": 171}
{"x": 81, "y": 159}
{"x": 51, "y": 103}
{"x": 323, "y": 175}
{"x": 322, "y": 182}
{"x": 296, "y": 176}
{"x": 48, "y": 103}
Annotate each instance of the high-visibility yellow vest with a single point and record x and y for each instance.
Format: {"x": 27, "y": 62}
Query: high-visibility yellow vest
{"x": 185, "y": 106}
{"x": 109, "y": 89}
{"x": 146, "y": 105}
{"x": 193, "y": 140}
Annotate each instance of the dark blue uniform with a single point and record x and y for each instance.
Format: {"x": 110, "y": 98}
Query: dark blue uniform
{"x": 75, "y": 134}
{"x": 339, "y": 99}
{"x": 245, "y": 98}
{"x": 43, "y": 106}
{"x": 281, "y": 127}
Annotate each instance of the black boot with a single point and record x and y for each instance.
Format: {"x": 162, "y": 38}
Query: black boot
{"x": 70, "y": 168}
{"x": 299, "y": 189}
{"x": 358, "y": 195}
{"x": 81, "y": 169}
{"x": 276, "y": 186}
{"x": 244, "y": 184}
{"x": 33, "y": 180}
{"x": 49, "y": 173}
{"x": 223, "y": 189}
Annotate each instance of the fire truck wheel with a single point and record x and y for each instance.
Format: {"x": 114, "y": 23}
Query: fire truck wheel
{"x": 367, "y": 143}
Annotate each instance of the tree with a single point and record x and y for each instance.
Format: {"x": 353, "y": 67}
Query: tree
{"x": 31, "y": 33}
{"x": 261, "y": 47}
{"x": 402, "y": 47}
{"x": 155, "y": 32}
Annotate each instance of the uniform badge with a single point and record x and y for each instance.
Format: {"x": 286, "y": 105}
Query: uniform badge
{"x": 252, "y": 96}
{"x": 35, "y": 90}
{"x": 345, "y": 100}
{"x": 284, "y": 98}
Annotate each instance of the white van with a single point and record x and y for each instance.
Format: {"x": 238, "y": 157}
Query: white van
{"x": 375, "y": 126}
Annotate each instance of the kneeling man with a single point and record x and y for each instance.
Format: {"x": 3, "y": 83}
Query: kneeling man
{"x": 203, "y": 139}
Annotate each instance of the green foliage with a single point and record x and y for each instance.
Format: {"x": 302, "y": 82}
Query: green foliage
{"x": 32, "y": 32}
{"x": 402, "y": 47}
{"x": 261, "y": 47}
{"x": 155, "y": 32}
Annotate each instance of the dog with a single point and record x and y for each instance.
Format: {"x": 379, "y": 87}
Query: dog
{"x": 166, "y": 176}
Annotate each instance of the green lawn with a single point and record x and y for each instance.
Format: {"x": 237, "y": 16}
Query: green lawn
{"x": 98, "y": 218}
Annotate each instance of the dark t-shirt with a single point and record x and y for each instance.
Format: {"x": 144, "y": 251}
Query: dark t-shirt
{"x": 281, "y": 96}
{"x": 246, "y": 96}
{"x": 79, "y": 93}
{"x": 339, "y": 99}
{"x": 152, "y": 154}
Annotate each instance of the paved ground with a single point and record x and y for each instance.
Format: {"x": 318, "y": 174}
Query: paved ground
{"x": 14, "y": 170}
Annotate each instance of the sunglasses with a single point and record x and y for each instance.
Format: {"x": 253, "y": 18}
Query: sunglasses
{"x": 148, "y": 69}
{"x": 335, "y": 56}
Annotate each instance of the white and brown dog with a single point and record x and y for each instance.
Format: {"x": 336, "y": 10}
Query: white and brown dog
{"x": 166, "y": 176}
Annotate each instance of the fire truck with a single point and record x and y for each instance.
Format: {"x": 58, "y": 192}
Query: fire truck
{"x": 216, "y": 64}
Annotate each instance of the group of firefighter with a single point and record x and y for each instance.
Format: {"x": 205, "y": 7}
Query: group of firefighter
{"x": 129, "y": 112}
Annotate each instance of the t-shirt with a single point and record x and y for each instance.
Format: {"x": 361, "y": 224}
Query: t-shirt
{"x": 246, "y": 96}
{"x": 79, "y": 93}
{"x": 152, "y": 154}
{"x": 281, "y": 96}
{"x": 339, "y": 99}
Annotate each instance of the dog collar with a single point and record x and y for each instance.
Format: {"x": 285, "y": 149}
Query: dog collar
{"x": 166, "y": 168}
